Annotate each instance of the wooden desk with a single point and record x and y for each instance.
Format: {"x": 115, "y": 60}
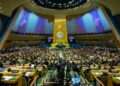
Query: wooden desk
{"x": 15, "y": 75}
{"x": 13, "y": 80}
{"x": 96, "y": 73}
{"x": 116, "y": 79}
{"x": 26, "y": 70}
{"x": 111, "y": 78}
{"x": 10, "y": 78}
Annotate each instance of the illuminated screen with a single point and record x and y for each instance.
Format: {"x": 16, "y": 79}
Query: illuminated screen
{"x": 29, "y": 22}
{"x": 92, "y": 22}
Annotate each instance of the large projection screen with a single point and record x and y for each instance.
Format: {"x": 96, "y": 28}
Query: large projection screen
{"x": 93, "y": 22}
{"x": 28, "y": 22}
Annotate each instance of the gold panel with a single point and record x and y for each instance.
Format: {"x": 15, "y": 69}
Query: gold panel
{"x": 60, "y": 35}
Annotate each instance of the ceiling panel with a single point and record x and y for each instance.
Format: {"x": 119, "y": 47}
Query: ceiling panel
{"x": 8, "y": 6}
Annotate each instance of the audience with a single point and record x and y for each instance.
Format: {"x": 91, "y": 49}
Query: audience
{"x": 90, "y": 57}
{"x": 62, "y": 60}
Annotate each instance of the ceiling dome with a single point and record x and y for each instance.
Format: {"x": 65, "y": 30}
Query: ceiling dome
{"x": 60, "y": 4}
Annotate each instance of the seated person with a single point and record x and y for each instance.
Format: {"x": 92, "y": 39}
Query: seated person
{"x": 75, "y": 80}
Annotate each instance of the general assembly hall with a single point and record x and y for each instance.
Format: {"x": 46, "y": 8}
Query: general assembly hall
{"x": 59, "y": 42}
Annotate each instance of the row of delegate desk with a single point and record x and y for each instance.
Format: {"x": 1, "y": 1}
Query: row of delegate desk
{"x": 111, "y": 78}
{"x": 13, "y": 76}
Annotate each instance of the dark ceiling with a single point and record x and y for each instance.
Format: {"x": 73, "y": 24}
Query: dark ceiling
{"x": 60, "y": 4}
{"x": 7, "y": 7}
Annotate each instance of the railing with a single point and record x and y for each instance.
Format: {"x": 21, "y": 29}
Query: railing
{"x": 34, "y": 81}
{"x": 49, "y": 83}
{"x": 98, "y": 82}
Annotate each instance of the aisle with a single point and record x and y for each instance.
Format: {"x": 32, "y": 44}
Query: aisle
{"x": 45, "y": 78}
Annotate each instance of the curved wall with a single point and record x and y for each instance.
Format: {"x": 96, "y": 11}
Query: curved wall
{"x": 0, "y": 24}
{"x": 29, "y": 22}
{"x": 93, "y": 21}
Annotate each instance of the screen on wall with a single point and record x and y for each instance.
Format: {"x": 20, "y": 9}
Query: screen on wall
{"x": 29, "y": 22}
{"x": 93, "y": 21}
